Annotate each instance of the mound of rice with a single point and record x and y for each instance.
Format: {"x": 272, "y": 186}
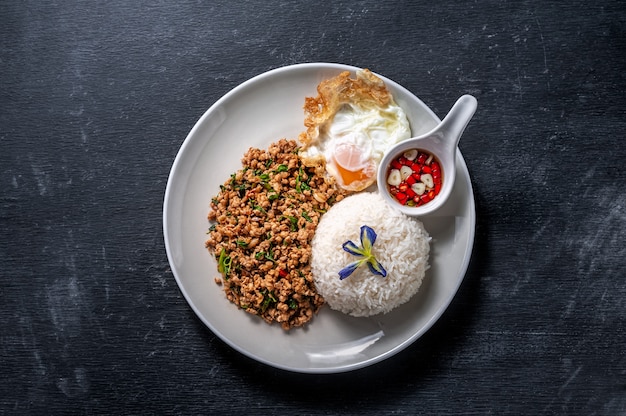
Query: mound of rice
{"x": 402, "y": 247}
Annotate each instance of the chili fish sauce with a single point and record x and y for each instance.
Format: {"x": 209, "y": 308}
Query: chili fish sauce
{"x": 414, "y": 178}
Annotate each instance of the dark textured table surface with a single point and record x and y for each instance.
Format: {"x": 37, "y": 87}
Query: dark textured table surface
{"x": 97, "y": 97}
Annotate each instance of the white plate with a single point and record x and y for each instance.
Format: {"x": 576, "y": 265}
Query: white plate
{"x": 257, "y": 112}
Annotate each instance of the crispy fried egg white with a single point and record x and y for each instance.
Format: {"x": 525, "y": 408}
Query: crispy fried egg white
{"x": 350, "y": 126}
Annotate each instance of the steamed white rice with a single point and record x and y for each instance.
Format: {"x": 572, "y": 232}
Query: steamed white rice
{"x": 402, "y": 247}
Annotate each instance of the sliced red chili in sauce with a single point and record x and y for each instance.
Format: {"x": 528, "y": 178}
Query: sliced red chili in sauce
{"x": 420, "y": 183}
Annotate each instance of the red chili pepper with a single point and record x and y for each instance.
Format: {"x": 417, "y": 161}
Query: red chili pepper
{"x": 410, "y": 180}
{"x": 422, "y": 158}
{"x": 435, "y": 167}
{"x": 416, "y": 167}
{"x": 403, "y": 187}
{"x": 410, "y": 193}
{"x": 436, "y": 175}
{"x": 437, "y": 188}
{"x": 426, "y": 169}
{"x": 282, "y": 273}
{"x": 402, "y": 197}
{"x": 426, "y": 198}
{"x": 417, "y": 176}
{"x": 395, "y": 164}
{"x": 403, "y": 160}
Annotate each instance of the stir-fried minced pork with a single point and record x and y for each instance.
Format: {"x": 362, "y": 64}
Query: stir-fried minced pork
{"x": 264, "y": 218}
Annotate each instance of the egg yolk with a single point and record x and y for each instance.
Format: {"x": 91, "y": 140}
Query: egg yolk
{"x": 349, "y": 164}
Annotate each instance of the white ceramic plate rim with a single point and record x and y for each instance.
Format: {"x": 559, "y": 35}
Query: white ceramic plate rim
{"x": 181, "y": 174}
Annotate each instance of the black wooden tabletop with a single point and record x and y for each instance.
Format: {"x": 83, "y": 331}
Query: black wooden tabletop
{"x": 96, "y": 99}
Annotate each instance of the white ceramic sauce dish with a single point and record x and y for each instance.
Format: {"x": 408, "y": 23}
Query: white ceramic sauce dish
{"x": 441, "y": 142}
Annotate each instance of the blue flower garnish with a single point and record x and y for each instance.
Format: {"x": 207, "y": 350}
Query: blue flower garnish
{"x": 368, "y": 237}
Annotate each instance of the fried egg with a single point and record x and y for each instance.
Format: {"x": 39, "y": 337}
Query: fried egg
{"x": 350, "y": 126}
